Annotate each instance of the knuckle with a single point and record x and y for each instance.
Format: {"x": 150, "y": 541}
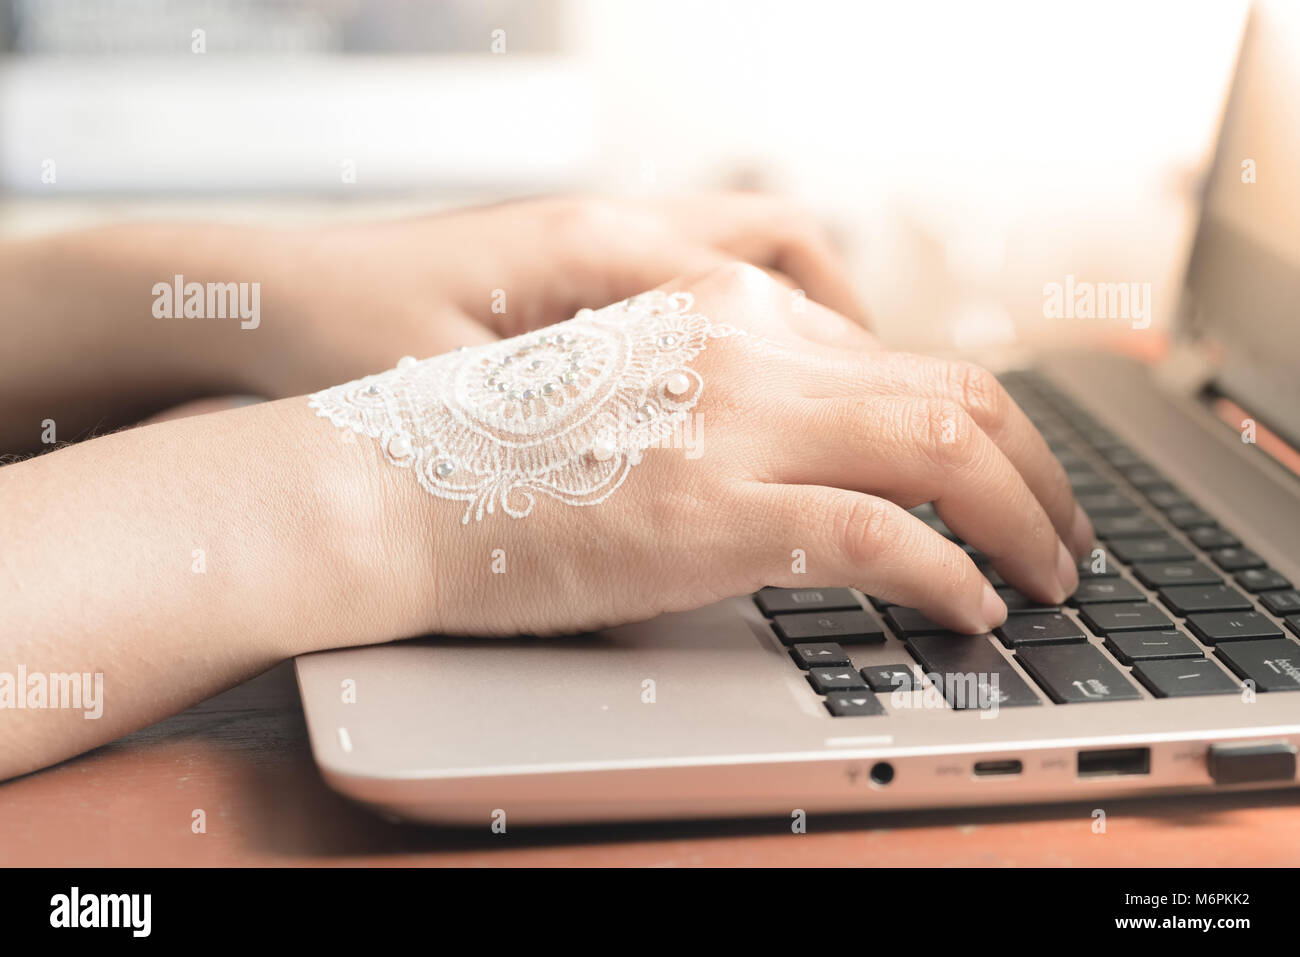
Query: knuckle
{"x": 741, "y": 277}
{"x": 979, "y": 392}
{"x": 945, "y": 431}
{"x": 861, "y": 527}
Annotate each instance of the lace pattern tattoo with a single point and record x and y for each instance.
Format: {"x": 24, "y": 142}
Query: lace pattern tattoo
{"x": 565, "y": 411}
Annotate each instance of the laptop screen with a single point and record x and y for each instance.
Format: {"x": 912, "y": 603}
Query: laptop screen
{"x": 1244, "y": 274}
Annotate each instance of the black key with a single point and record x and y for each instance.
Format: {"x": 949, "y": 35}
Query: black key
{"x": 826, "y": 680}
{"x": 1097, "y": 566}
{"x": 846, "y": 704}
{"x": 1293, "y": 622}
{"x": 842, "y": 626}
{"x": 1018, "y": 604}
{"x": 1087, "y": 480}
{"x": 1189, "y": 599}
{"x": 1209, "y": 538}
{"x": 1232, "y": 626}
{"x": 1273, "y": 664}
{"x": 1149, "y": 550}
{"x": 1122, "y": 457}
{"x": 909, "y": 621}
{"x": 820, "y": 654}
{"x": 1261, "y": 579}
{"x": 1236, "y": 559}
{"x": 779, "y": 601}
{"x": 1189, "y": 516}
{"x": 1282, "y": 602}
{"x": 1164, "y": 498}
{"x": 1104, "y": 619}
{"x": 1160, "y": 574}
{"x": 1103, "y": 504}
{"x": 1074, "y": 674}
{"x": 1105, "y": 589}
{"x": 964, "y": 668}
{"x": 1022, "y": 630}
{"x": 890, "y": 677}
{"x": 1127, "y": 526}
{"x": 1131, "y": 647}
{"x": 1181, "y": 678}
{"x": 1145, "y": 477}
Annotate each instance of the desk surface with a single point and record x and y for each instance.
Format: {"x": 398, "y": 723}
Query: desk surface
{"x": 243, "y": 758}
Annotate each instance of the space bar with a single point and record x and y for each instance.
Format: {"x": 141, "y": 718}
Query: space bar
{"x": 970, "y": 672}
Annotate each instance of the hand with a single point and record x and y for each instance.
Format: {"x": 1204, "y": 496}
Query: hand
{"x": 363, "y": 295}
{"x": 812, "y": 442}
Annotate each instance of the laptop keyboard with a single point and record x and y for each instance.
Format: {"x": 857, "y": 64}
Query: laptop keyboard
{"x": 1169, "y": 602}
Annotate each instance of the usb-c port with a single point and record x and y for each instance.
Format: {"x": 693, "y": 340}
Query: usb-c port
{"x": 989, "y": 768}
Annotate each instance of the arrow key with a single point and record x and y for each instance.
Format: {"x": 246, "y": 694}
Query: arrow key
{"x": 825, "y": 654}
{"x": 825, "y": 680}
{"x": 847, "y": 704}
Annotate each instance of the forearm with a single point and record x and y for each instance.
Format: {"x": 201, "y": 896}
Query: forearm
{"x": 181, "y": 558}
{"x": 92, "y": 343}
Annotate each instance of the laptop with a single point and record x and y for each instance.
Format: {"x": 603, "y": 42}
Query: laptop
{"x": 1174, "y": 668}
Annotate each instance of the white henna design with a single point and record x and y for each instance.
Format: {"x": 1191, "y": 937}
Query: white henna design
{"x": 565, "y": 411}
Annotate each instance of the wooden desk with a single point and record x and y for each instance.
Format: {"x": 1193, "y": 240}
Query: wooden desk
{"x": 243, "y": 758}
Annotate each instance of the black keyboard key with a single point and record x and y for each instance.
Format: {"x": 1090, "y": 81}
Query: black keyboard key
{"x": 1022, "y": 630}
{"x": 1104, "y": 619}
{"x": 820, "y": 654}
{"x": 1149, "y": 550}
{"x": 965, "y": 669}
{"x": 1018, "y": 604}
{"x": 780, "y": 601}
{"x": 909, "y": 621}
{"x": 1190, "y": 599}
{"x": 1074, "y": 674}
{"x": 1165, "y": 498}
{"x": 1293, "y": 622}
{"x": 1131, "y": 647}
{"x": 1181, "y": 678}
{"x": 1189, "y": 516}
{"x": 1211, "y": 538}
{"x": 1282, "y": 603}
{"x": 1273, "y": 664}
{"x": 1097, "y": 565}
{"x": 1261, "y": 579}
{"x": 1105, "y": 504}
{"x": 1232, "y": 626}
{"x": 891, "y": 678}
{"x": 1145, "y": 477}
{"x": 1236, "y": 559}
{"x": 1087, "y": 480}
{"x": 1160, "y": 574}
{"x": 826, "y": 680}
{"x": 1127, "y": 526}
{"x": 1105, "y": 589}
{"x": 846, "y": 704}
{"x": 1122, "y": 457}
{"x": 843, "y": 626}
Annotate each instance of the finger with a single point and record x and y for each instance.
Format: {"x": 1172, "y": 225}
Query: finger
{"x": 984, "y": 399}
{"x": 857, "y": 540}
{"x": 928, "y": 450}
{"x": 772, "y": 232}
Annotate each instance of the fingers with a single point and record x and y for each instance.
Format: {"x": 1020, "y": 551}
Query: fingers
{"x": 852, "y": 539}
{"x": 912, "y": 450}
{"x": 772, "y": 232}
{"x": 979, "y": 393}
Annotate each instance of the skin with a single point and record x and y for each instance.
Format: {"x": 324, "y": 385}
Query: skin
{"x": 817, "y": 439}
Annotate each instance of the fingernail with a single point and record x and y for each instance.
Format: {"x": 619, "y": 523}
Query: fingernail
{"x": 1081, "y": 535}
{"x": 1067, "y": 573}
{"x": 992, "y": 607}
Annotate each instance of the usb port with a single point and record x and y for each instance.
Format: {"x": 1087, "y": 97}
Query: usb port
{"x": 1115, "y": 761}
{"x": 989, "y": 768}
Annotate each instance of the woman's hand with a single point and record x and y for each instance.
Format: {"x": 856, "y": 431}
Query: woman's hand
{"x": 807, "y": 440}
{"x": 359, "y": 296}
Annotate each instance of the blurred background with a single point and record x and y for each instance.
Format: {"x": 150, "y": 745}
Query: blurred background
{"x": 964, "y": 154}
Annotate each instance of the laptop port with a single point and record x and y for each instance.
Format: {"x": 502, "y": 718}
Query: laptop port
{"x": 990, "y": 768}
{"x": 1115, "y": 761}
